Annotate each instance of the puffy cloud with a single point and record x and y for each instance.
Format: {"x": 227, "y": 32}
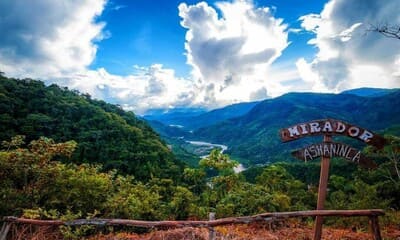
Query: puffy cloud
{"x": 231, "y": 53}
{"x": 231, "y": 46}
{"x": 348, "y": 55}
{"x": 148, "y": 87}
{"x": 259, "y": 94}
{"x": 59, "y": 44}
{"x": 48, "y": 38}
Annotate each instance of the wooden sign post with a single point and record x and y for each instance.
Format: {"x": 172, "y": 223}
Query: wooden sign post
{"x": 322, "y": 188}
{"x": 329, "y": 149}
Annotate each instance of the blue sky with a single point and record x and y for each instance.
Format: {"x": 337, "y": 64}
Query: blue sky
{"x": 147, "y": 54}
{"x": 143, "y": 33}
{"x": 136, "y": 27}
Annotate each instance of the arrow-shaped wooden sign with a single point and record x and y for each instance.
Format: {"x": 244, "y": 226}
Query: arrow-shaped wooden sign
{"x": 334, "y": 149}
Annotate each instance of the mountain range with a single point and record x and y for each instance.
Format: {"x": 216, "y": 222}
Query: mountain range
{"x": 117, "y": 139}
{"x": 193, "y": 118}
{"x": 250, "y": 130}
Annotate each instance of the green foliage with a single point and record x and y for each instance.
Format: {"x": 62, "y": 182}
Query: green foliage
{"x": 219, "y": 161}
{"x": 26, "y": 173}
{"x": 67, "y": 180}
{"x": 44, "y": 188}
{"x": 195, "y": 179}
{"x": 288, "y": 192}
{"x": 247, "y": 199}
{"x": 75, "y": 233}
{"x": 32, "y": 180}
{"x": 355, "y": 194}
{"x": 182, "y": 205}
{"x": 387, "y": 177}
{"x": 391, "y": 151}
{"x": 253, "y": 136}
{"x": 133, "y": 201}
{"x": 104, "y": 132}
{"x": 35, "y": 186}
{"x": 83, "y": 187}
{"x": 275, "y": 178}
{"x": 226, "y": 180}
{"x": 362, "y": 189}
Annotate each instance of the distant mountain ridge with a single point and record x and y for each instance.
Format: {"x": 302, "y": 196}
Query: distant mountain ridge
{"x": 175, "y": 116}
{"x": 251, "y": 129}
{"x": 254, "y": 136}
{"x": 370, "y": 92}
{"x": 192, "y": 118}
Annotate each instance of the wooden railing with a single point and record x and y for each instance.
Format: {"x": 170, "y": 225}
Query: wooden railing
{"x": 372, "y": 214}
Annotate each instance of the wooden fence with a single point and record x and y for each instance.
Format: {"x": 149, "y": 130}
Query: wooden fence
{"x": 372, "y": 214}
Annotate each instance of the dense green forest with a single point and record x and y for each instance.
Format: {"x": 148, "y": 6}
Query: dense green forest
{"x": 65, "y": 155}
{"x": 104, "y": 132}
{"x": 33, "y": 184}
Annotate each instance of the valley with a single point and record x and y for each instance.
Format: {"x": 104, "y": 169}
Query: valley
{"x": 251, "y": 129}
{"x": 66, "y": 155}
{"x": 227, "y": 119}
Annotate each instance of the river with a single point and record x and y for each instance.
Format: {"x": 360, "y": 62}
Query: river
{"x": 239, "y": 168}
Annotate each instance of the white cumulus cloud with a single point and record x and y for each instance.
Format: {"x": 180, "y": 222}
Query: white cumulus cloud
{"x": 348, "y": 55}
{"x": 56, "y": 41}
{"x": 231, "y": 52}
{"x": 48, "y": 38}
{"x": 148, "y": 87}
{"x": 232, "y": 47}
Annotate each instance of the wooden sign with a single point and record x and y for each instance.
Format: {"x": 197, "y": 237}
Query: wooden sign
{"x": 328, "y": 149}
{"x": 334, "y": 149}
{"x": 331, "y": 127}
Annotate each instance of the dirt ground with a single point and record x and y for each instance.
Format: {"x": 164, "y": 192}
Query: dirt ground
{"x": 253, "y": 232}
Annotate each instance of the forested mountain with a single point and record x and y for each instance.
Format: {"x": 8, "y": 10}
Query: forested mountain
{"x": 370, "y": 92}
{"x": 175, "y": 116}
{"x": 104, "y": 132}
{"x": 191, "y": 119}
{"x": 37, "y": 179}
{"x": 194, "y": 118}
{"x": 254, "y": 136}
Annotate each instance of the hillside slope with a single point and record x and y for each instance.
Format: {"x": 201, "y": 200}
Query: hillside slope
{"x": 370, "y": 92}
{"x": 254, "y": 136}
{"x": 105, "y": 133}
{"x": 190, "y": 120}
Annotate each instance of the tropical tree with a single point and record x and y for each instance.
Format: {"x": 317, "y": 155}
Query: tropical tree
{"x": 391, "y": 152}
{"x": 26, "y": 172}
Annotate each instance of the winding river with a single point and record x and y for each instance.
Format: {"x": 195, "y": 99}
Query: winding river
{"x": 239, "y": 168}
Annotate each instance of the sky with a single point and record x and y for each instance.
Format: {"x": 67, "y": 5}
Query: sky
{"x": 147, "y": 54}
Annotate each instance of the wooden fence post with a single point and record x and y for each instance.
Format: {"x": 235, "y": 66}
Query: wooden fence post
{"x": 373, "y": 221}
{"x": 4, "y": 230}
{"x": 211, "y": 235}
